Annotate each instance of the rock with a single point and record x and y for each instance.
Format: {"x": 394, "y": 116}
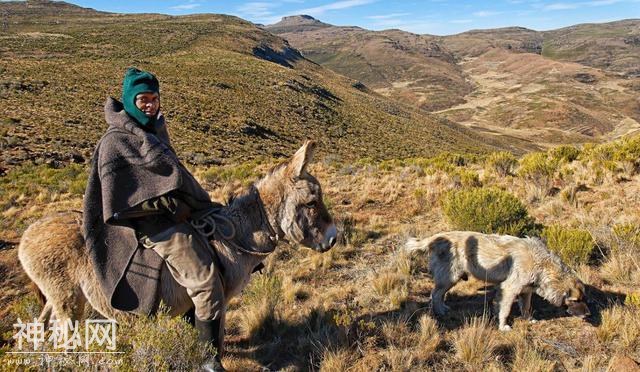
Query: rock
{"x": 623, "y": 363}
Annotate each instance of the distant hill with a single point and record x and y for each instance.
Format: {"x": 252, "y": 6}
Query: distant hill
{"x": 230, "y": 91}
{"x": 613, "y": 46}
{"x": 576, "y": 84}
{"x": 409, "y": 67}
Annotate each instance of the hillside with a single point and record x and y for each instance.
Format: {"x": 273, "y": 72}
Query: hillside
{"x": 411, "y": 68}
{"x": 613, "y": 46}
{"x": 229, "y": 90}
{"x": 515, "y": 82}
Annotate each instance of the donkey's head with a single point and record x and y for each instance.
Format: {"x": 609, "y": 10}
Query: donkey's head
{"x": 293, "y": 200}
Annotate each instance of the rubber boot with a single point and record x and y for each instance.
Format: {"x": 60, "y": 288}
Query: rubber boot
{"x": 209, "y": 331}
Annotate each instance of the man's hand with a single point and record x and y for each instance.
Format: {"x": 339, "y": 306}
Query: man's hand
{"x": 181, "y": 213}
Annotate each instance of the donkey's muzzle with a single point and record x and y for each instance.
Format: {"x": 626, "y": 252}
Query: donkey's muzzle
{"x": 330, "y": 239}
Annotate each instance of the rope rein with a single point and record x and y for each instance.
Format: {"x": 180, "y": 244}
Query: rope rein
{"x": 207, "y": 225}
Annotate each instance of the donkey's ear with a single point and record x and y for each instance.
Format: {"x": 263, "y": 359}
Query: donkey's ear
{"x": 298, "y": 163}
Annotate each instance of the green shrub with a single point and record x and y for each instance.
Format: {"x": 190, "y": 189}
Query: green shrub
{"x": 537, "y": 168}
{"x": 487, "y": 210}
{"x": 466, "y": 178}
{"x": 564, "y": 154}
{"x": 160, "y": 343}
{"x": 503, "y": 163}
{"x": 574, "y": 246}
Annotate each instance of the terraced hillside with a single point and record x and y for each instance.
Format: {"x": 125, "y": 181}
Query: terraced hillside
{"x": 229, "y": 89}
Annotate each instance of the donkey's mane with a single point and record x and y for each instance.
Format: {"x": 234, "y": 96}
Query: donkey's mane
{"x": 245, "y": 190}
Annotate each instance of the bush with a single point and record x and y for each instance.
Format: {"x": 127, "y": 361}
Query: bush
{"x": 466, "y": 178}
{"x": 161, "y": 343}
{"x": 537, "y": 168}
{"x": 564, "y": 154}
{"x": 503, "y": 163}
{"x": 574, "y": 246}
{"x": 487, "y": 210}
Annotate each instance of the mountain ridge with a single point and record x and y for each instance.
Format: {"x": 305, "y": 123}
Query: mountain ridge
{"x": 437, "y": 74}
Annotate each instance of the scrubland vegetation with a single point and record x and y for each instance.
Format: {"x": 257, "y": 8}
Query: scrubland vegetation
{"x": 364, "y": 305}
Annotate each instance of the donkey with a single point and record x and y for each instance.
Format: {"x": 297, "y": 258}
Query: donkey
{"x": 53, "y": 254}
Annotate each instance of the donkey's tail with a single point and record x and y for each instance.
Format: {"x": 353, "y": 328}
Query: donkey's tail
{"x": 33, "y": 287}
{"x": 47, "y": 307}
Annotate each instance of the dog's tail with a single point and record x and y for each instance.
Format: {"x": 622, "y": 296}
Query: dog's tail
{"x": 417, "y": 245}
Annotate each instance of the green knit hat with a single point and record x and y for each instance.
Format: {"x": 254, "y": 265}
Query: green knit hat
{"x": 135, "y": 82}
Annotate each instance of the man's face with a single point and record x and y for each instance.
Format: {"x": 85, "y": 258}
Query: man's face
{"x": 149, "y": 103}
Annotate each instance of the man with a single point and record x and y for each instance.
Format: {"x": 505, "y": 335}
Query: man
{"x": 139, "y": 192}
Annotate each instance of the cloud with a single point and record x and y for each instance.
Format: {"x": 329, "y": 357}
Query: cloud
{"x": 338, "y": 5}
{"x": 387, "y": 16}
{"x": 486, "y": 13}
{"x": 259, "y": 10}
{"x": 568, "y": 6}
{"x": 561, "y": 6}
{"x": 191, "y": 5}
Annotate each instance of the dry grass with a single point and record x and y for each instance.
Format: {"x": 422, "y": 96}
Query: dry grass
{"x": 260, "y": 317}
{"x": 620, "y": 328}
{"x": 336, "y": 360}
{"x": 360, "y": 307}
{"x": 429, "y": 337}
{"x": 475, "y": 343}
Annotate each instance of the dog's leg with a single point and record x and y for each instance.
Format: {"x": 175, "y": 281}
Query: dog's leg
{"x": 443, "y": 285}
{"x": 508, "y": 294}
{"x": 524, "y": 301}
{"x": 445, "y": 275}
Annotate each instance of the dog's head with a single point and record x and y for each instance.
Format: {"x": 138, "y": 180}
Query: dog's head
{"x": 575, "y": 300}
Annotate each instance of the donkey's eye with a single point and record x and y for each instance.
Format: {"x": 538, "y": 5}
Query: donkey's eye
{"x": 311, "y": 204}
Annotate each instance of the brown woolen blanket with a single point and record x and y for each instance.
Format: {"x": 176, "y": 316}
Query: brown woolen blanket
{"x": 129, "y": 166}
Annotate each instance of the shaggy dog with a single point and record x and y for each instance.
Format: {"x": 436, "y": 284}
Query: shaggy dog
{"x": 520, "y": 265}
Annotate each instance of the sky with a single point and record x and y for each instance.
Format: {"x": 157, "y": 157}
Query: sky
{"x": 436, "y": 17}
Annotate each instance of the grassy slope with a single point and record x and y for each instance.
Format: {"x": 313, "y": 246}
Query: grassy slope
{"x": 222, "y": 97}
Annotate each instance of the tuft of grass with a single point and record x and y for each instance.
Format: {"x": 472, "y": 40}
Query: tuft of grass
{"x": 396, "y": 333}
{"x": 475, "y": 343}
{"x": 399, "y": 359}
{"x": 563, "y": 154}
{"x": 429, "y": 336}
{"x": 623, "y": 262}
{"x": 528, "y": 358}
{"x": 392, "y": 286}
{"x": 537, "y": 168}
{"x": 620, "y": 329}
{"x": 336, "y": 360}
{"x": 574, "y": 246}
{"x": 487, "y": 210}
{"x": 259, "y": 301}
